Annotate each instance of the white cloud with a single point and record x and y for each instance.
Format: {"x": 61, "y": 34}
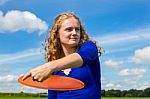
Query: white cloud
{"x": 109, "y": 85}
{"x": 111, "y": 63}
{"x": 123, "y": 84}
{"x": 135, "y": 72}
{"x": 16, "y": 20}
{"x": 27, "y": 89}
{"x": 106, "y": 84}
{"x": 8, "y": 78}
{"x": 144, "y": 85}
{"x": 8, "y": 83}
{"x": 124, "y": 41}
{"x": 4, "y": 70}
{"x": 142, "y": 56}
{"x": 20, "y": 56}
{"x": 104, "y": 81}
{"x": 125, "y": 37}
{"x": 3, "y": 1}
{"x": 11, "y": 87}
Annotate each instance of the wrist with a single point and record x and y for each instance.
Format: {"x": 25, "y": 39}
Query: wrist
{"x": 52, "y": 66}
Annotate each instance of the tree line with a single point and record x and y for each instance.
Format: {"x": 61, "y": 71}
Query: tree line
{"x": 126, "y": 93}
{"x": 22, "y": 94}
{"x": 104, "y": 93}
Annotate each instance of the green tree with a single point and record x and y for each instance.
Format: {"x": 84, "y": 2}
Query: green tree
{"x": 147, "y": 92}
{"x": 103, "y": 93}
{"x": 113, "y": 93}
{"x": 123, "y": 93}
{"x": 140, "y": 93}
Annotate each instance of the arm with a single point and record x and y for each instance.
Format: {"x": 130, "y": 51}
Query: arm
{"x": 71, "y": 61}
{"x": 44, "y": 71}
{"x": 86, "y": 54}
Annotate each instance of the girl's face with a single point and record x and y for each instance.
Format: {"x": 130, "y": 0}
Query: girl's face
{"x": 69, "y": 32}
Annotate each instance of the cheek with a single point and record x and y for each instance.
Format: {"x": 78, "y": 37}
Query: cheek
{"x": 79, "y": 35}
{"x": 64, "y": 36}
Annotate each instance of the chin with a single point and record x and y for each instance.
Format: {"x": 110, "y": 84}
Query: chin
{"x": 74, "y": 44}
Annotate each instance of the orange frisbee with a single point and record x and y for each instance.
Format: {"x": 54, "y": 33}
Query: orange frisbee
{"x": 54, "y": 82}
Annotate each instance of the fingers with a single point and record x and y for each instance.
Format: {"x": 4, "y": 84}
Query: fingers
{"x": 26, "y": 76}
{"x": 35, "y": 78}
{"x": 38, "y": 74}
{"x": 38, "y": 78}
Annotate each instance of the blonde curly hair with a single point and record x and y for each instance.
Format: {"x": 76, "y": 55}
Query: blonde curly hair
{"x": 52, "y": 45}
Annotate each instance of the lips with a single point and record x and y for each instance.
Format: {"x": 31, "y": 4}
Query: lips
{"x": 74, "y": 38}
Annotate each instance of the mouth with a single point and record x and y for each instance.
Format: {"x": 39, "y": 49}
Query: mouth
{"x": 73, "y": 38}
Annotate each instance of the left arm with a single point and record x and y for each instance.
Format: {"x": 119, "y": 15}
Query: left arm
{"x": 86, "y": 54}
{"x": 44, "y": 71}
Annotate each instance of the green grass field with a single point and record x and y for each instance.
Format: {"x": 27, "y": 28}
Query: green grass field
{"x": 102, "y": 98}
{"x": 21, "y": 98}
{"x": 125, "y": 97}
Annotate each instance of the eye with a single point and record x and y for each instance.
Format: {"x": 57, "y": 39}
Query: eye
{"x": 77, "y": 29}
{"x": 69, "y": 29}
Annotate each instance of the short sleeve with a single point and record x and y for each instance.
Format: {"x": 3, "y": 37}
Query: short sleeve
{"x": 88, "y": 52}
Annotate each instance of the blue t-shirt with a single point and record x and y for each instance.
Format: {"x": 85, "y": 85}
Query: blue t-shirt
{"x": 89, "y": 73}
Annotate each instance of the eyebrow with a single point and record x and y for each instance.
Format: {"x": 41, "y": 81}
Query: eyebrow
{"x": 71, "y": 27}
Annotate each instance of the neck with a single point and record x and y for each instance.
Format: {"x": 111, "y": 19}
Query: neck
{"x": 68, "y": 50}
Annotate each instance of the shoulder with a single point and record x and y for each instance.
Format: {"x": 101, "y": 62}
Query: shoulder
{"x": 89, "y": 47}
{"x": 88, "y": 44}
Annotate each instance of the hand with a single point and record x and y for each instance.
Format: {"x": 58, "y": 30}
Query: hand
{"x": 40, "y": 73}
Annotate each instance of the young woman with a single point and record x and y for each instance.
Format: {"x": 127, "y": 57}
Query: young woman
{"x": 70, "y": 52}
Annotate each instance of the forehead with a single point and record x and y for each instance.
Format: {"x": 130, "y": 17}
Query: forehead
{"x": 70, "y": 22}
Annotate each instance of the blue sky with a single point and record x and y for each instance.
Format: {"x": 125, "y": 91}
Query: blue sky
{"x": 121, "y": 27}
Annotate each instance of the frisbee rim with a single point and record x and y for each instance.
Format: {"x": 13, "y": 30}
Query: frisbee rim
{"x": 74, "y": 80}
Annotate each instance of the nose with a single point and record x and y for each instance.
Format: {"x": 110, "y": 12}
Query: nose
{"x": 74, "y": 32}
